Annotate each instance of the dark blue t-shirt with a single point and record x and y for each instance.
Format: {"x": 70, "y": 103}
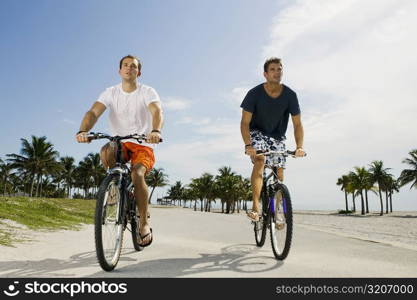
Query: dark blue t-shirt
{"x": 270, "y": 115}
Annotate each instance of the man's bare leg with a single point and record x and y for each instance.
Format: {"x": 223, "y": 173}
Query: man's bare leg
{"x": 256, "y": 181}
{"x": 280, "y": 222}
{"x": 108, "y": 158}
{"x": 108, "y": 155}
{"x": 141, "y": 195}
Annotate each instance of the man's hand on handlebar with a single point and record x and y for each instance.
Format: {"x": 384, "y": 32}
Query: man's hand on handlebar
{"x": 249, "y": 150}
{"x": 82, "y": 137}
{"x": 153, "y": 138}
{"x": 299, "y": 152}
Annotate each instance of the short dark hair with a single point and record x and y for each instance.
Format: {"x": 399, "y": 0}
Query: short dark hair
{"x": 130, "y": 56}
{"x": 272, "y": 60}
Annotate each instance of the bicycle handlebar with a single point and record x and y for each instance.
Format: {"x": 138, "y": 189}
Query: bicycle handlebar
{"x": 98, "y": 135}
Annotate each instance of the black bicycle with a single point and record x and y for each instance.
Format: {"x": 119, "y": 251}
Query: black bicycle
{"x": 115, "y": 207}
{"x": 276, "y": 211}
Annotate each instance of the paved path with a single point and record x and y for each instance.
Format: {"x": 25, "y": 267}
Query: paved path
{"x": 196, "y": 244}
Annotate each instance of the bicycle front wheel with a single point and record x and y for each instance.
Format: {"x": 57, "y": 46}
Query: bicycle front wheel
{"x": 134, "y": 226}
{"x": 260, "y": 231}
{"x": 108, "y": 224}
{"x": 281, "y": 223}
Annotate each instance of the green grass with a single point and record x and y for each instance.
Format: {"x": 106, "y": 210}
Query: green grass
{"x": 44, "y": 213}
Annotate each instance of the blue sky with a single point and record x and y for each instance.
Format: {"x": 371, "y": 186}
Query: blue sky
{"x": 350, "y": 62}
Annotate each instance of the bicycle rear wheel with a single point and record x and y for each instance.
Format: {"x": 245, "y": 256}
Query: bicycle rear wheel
{"x": 108, "y": 226}
{"x": 280, "y": 223}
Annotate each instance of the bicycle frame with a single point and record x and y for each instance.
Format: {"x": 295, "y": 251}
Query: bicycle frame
{"x": 122, "y": 171}
{"x": 270, "y": 189}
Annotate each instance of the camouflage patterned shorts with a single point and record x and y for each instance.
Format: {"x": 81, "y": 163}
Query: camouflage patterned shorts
{"x": 262, "y": 142}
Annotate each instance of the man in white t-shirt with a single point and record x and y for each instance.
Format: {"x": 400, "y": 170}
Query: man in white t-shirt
{"x": 134, "y": 108}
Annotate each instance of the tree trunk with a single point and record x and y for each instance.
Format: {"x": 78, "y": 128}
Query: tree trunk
{"x": 353, "y": 200}
{"x": 386, "y": 202}
{"x": 390, "y": 201}
{"x": 4, "y": 186}
{"x": 222, "y": 206}
{"x": 40, "y": 190}
{"x": 37, "y": 186}
{"x": 366, "y": 201}
{"x": 362, "y": 204}
{"x": 382, "y": 205}
{"x": 346, "y": 202}
{"x": 150, "y": 197}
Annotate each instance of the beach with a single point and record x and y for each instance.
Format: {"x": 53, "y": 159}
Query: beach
{"x": 398, "y": 229}
{"x": 192, "y": 243}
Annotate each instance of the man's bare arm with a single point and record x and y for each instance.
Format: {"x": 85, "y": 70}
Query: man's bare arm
{"x": 157, "y": 121}
{"x": 89, "y": 120}
{"x": 91, "y": 116}
{"x": 244, "y": 126}
{"x": 298, "y": 131}
{"x": 245, "y": 131}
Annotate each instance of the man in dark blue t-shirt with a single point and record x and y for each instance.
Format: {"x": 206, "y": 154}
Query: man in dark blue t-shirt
{"x": 265, "y": 114}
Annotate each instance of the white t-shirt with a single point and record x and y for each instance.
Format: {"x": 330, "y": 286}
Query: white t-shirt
{"x": 129, "y": 112}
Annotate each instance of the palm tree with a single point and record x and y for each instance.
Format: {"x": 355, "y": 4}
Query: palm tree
{"x": 68, "y": 168}
{"x": 350, "y": 189}
{"x": 369, "y": 186}
{"x": 5, "y": 176}
{"x": 409, "y": 175}
{"x": 188, "y": 195}
{"x": 156, "y": 178}
{"x": 378, "y": 174}
{"x": 358, "y": 179}
{"x": 176, "y": 191}
{"x": 98, "y": 172}
{"x": 387, "y": 185}
{"x": 390, "y": 186}
{"x": 225, "y": 182}
{"x": 36, "y": 158}
{"x": 82, "y": 176}
{"x": 246, "y": 192}
{"x": 344, "y": 182}
{"x": 204, "y": 187}
{"x": 236, "y": 193}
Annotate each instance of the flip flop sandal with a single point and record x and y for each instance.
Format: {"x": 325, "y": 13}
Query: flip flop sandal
{"x": 253, "y": 215}
{"x": 144, "y": 236}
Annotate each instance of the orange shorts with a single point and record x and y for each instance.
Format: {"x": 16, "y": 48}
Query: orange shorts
{"x": 138, "y": 154}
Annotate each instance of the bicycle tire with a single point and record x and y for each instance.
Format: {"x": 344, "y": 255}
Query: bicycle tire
{"x": 260, "y": 231}
{"x": 134, "y": 226}
{"x": 281, "y": 253}
{"x": 103, "y": 210}
{"x": 261, "y": 226}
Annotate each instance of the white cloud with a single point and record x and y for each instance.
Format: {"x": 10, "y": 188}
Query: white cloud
{"x": 175, "y": 103}
{"x": 217, "y": 144}
{"x": 194, "y": 121}
{"x": 238, "y": 94}
{"x": 352, "y": 65}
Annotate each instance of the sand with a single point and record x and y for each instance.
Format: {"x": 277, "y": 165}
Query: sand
{"x": 397, "y": 228}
